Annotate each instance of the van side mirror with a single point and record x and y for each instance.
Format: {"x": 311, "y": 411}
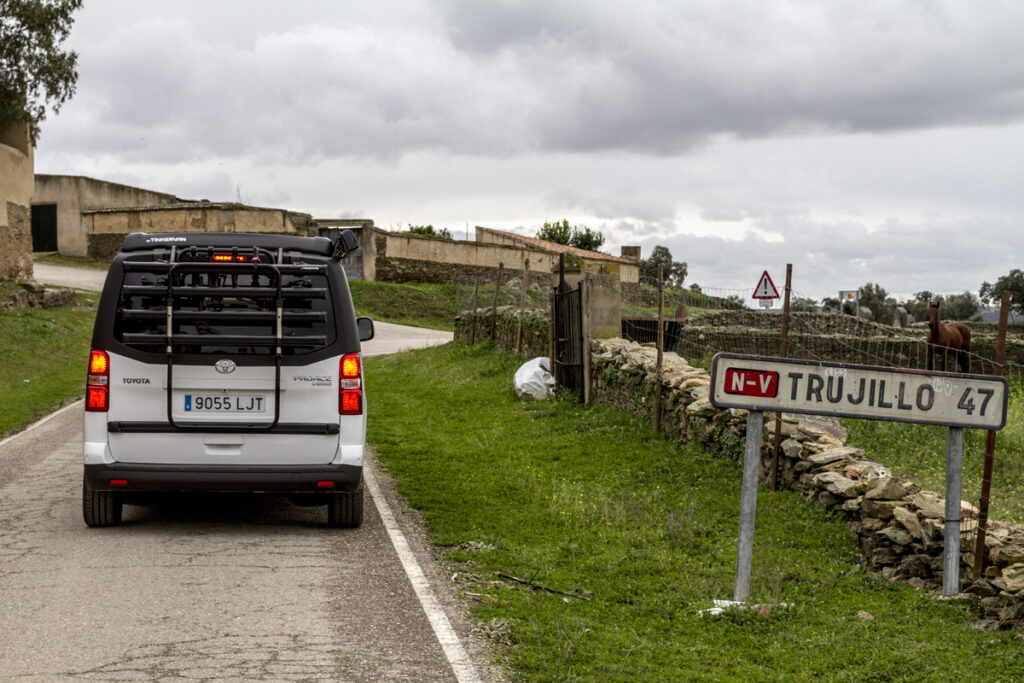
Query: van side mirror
{"x": 365, "y": 327}
{"x": 345, "y": 243}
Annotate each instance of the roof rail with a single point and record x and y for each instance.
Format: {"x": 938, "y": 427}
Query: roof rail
{"x": 142, "y": 241}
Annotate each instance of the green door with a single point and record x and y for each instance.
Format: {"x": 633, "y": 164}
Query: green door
{"x": 44, "y": 227}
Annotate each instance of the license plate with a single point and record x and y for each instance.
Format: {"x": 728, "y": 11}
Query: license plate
{"x": 225, "y": 403}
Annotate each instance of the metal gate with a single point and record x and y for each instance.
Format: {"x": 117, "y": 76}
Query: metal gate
{"x": 568, "y": 328}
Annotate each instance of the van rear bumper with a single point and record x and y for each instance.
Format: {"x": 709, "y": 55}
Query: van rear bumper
{"x": 215, "y": 478}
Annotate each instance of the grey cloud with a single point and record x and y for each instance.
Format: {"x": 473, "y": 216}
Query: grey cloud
{"x": 506, "y": 78}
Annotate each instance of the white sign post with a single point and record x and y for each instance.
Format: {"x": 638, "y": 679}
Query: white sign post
{"x": 758, "y": 383}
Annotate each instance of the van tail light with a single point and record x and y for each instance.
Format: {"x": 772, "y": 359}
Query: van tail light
{"x": 97, "y": 384}
{"x": 350, "y": 392}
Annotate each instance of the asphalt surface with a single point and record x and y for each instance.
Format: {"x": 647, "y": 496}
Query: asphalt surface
{"x": 213, "y": 587}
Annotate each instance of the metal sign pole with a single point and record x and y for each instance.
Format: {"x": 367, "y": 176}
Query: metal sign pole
{"x": 951, "y": 542}
{"x": 748, "y": 505}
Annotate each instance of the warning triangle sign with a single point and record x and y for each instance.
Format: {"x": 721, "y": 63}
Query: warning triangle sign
{"x": 765, "y": 288}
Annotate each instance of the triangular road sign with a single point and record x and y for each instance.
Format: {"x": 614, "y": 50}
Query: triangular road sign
{"x": 765, "y": 288}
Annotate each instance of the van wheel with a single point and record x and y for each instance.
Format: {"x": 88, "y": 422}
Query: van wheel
{"x": 100, "y": 508}
{"x": 345, "y": 509}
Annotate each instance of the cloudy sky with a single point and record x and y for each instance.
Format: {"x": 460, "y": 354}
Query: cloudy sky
{"x": 863, "y": 141}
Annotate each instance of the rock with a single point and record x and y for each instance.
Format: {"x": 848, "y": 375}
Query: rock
{"x": 1013, "y": 576}
{"x": 837, "y": 484}
{"x": 865, "y": 470}
{"x": 791, "y": 448}
{"x": 896, "y": 535}
{"x": 909, "y": 520}
{"x": 913, "y": 567}
{"x": 981, "y": 588}
{"x": 827, "y": 457}
{"x": 865, "y": 615}
{"x": 815, "y": 426}
{"x": 883, "y": 509}
{"x": 885, "y": 488}
{"x": 870, "y": 524}
{"x": 32, "y": 287}
{"x": 929, "y": 504}
{"x": 827, "y": 499}
{"x": 850, "y": 505}
{"x": 917, "y": 582}
{"x": 1008, "y": 554}
{"x": 701, "y": 408}
{"x": 883, "y": 557}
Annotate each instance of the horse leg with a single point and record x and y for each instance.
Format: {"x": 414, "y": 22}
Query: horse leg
{"x": 930, "y": 357}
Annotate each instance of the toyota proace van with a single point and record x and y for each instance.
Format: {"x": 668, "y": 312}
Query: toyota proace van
{"x": 226, "y": 362}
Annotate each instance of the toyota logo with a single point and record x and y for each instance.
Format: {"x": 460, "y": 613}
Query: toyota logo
{"x": 225, "y": 366}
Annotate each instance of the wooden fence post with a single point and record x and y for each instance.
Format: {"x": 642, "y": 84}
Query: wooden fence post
{"x": 494, "y": 304}
{"x": 522, "y": 307}
{"x": 661, "y": 345}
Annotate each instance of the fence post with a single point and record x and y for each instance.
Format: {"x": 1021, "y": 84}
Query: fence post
{"x": 587, "y": 285}
{"x": 522, "y": 307}
{"x": 660, "y": 343}
{"x": 777, "y": 441}
{"x": 990, "y": 446}
{"x": 494, "y": 304}
{"x": 681, "y": 308}
{"x": 476, "y": 290}
{"x": 458, "y": 290}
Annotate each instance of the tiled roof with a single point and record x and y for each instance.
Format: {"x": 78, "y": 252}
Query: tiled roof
{"x": 544, "y": 245}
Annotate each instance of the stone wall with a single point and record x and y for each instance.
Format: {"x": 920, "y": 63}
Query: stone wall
{"x": 16, "y": 183}
{"x": 536, "y": 329}
{"x": 898, "y": 526}
{"x": 33, "y": 294}
{"x": 107, "y": 229}
{"x": 403, "y": 257}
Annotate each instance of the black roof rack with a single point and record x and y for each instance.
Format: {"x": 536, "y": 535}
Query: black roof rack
{"x": 143, "y": 241}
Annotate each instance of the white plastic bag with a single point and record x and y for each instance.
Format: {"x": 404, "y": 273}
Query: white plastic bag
{"x": 533, "y": 379}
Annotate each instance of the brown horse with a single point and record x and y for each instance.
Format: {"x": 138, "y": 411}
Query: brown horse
{"x": 943, "y": 338}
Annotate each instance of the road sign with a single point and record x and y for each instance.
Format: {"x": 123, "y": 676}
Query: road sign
{"x": 765, "y": 288}
{"x": 864, "y": 391}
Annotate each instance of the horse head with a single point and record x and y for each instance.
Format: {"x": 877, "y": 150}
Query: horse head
{"x": 933, "y": 313}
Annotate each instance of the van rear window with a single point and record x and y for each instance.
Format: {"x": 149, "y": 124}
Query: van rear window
{"x": 224, "y": 308}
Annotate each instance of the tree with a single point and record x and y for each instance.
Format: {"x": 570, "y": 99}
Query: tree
{"x": 428, "y": 231}
{"x": 585, "y": 238}
{"x": 674, "y": 272}
{"x": 34, "y": 70}
{"x": 557, "y": 232}
{"x": 581, "y": 237}
{"x": 803, "y": 304}
{"x": 992, "y": 294}
{"x": 878, "y": 301}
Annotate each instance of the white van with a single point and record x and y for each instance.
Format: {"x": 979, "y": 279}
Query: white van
{"x": 226, "y": 362}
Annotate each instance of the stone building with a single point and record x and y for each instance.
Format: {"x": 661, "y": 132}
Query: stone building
{"x": 16, "y": 184}
{"x": 81, "y": 216}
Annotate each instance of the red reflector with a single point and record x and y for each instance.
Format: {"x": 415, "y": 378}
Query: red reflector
{"x": 99, "y": 363}
{"x": 325, "y": 484}
{"x": 118, "y": 482}
{"x": 351, "y": 402}
{"x": 96, "y": 399}
{"x": 350, "y": 366}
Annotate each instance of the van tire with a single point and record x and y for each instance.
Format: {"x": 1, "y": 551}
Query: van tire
{"x": 345, "y": 509}
{"x": 100, "y": 508}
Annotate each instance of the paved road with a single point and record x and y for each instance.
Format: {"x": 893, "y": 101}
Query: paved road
{"x": 65, "y": 276}
{"x": 210, "y": 588}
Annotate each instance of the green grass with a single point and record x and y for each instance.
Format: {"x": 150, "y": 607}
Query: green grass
{"x": 73, "y": 261}
{"x": 588, "y": 501}
{"x": 418, "y": 304}
{"x": 918, "y": 452}
{"x": 43, "y": 360}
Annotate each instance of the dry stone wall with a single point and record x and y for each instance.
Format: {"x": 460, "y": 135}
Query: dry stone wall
{"x": 898, "y": 526}
{"x": 536, "y": 329}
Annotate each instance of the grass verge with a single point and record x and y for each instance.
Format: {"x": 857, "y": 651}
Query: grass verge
{"x": 418, "y": 304}
{"x": 588, "y": 501}
{"x": 74, "y": 261}
{"x": 918, "y": 452}
{"x": 42, "y": 364}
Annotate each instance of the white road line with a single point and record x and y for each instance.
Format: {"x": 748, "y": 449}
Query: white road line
{"x": 40, "y": 422}
{"x": 461, "y": 665}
